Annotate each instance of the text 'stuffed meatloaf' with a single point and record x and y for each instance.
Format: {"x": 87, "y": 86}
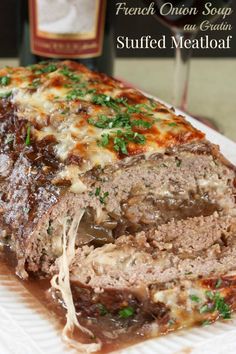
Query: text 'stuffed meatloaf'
{"x": 74, "y": 140}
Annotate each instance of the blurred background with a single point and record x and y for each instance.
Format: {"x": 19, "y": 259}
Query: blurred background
{"x": 212, "y": 85}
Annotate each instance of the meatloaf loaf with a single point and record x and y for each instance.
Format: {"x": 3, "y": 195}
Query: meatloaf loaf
{"x": 74, "y": 139}
{"x": 124, "y": 203}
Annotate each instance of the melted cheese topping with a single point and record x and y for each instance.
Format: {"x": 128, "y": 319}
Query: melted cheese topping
{"x": 92, "y": 117}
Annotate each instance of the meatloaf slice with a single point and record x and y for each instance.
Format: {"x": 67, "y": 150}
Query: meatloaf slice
{"x": 72, "y": 140}
{"x": 177, "y": 275}
{"x": 184, "y": 249}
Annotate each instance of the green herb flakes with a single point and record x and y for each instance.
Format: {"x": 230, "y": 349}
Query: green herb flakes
{"x": 172, "y": 124}
{"x": 27, "y": 140}
{"x": 141, "y": 123}
{"x": 5, "y": 94}
{"x": 171, "y": 322}
{"x": 44, "y": 70}
{"x": 97, "y": 191}
{"x": 194, "y": 298}
{"x": 103, "y": 197}
{"x": 205, "y": 308}
{"x": 221, "y": 306}
{"x": 122, "y": 139}
{"x": 5, "y": 80}
{"x": 120, "y": 145}
{"x": 209, "y": 294}
{"x": 217, "y": 304}
{"x": 102, "y": 309}
{"x": 104, "y": 140}
{"x": 206, "y": 323}
{"x": 78, "y": 93}
{"x": 50, "y": 228}
{"x": 26, "y": 210}
{"x": 70, "y": 74}
{"x": 218, "y": 283}
{"x": 178, "y": 163}
{"x": 74, "y": 94}
{"x": 35, "y": 83}
{"x": 126, "y": 312}
{"x": 105, "y": 100}
{"x": 9, "y": 138}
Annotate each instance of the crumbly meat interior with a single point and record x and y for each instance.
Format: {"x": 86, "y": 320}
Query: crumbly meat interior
{"x": 185, "y": 249}
{"x": 143, "y": 194}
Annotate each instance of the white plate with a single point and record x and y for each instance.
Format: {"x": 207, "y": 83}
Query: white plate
{"x": 26, "y": 329}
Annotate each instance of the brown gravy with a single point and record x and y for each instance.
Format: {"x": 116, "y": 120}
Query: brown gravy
{"x": 48, "y": 307}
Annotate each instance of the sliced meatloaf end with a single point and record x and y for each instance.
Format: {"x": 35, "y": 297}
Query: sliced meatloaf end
{"x": 136, "y": 195}
{"x": 180, "y": 274}
{"x": 74, "y": 142}
{"x": 184, "y": 249}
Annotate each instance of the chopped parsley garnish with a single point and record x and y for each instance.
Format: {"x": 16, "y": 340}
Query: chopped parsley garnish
{"x": 77, "y": 92}
{"x": 172, "y": 124}
{"x": 137, "y": 108}
{"x": 5, "y": 94}
{"x": 102, "y": 309}
{"x": 113, "y": 102}
{"x": 43, "y": 62}
{"x": 47, "y": 69}
{"x": 105, "y": 100}
{"x": 27, "y": 140}
{"x": 103, "y": 197}
{"x": 205, "y": 308}
{"x": 120, "y": 145}
{"x": 26, "y": 210}
{"x": 206, "y": 323}
{"x": 104, "y": 140}
{"x": 194, "y": 298}
{"x": 141, "y": 123}
{"x": 35, "y": 83}
{"x": 178, "y": 163}
{"x": 218, "y": 283}
{"x": 221, "y": 306}
{"x": 135, "y": 137}
{"x": 9, "y": 138}
{"x": 97, "y": 191}
{"x": 126, "y": 312}
{"x": 217, "y": 304}
{"x": 5, "y": 80}
{"x": 121, "y": 120}
{"x": 70, "y": 74}
{"x": 50, "y": 228}
{"x": 171, "y": 322}
{"x": 74, "y": 94}
{"x": 101, "y": 99}
{"x": 209, "y": 294}
{"x": 121, "y": 140}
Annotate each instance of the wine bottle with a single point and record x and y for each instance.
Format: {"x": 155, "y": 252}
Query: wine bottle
{"x": 79, "y": 30}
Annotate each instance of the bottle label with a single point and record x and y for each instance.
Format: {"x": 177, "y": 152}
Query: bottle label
{"x": 67, "y": 28}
